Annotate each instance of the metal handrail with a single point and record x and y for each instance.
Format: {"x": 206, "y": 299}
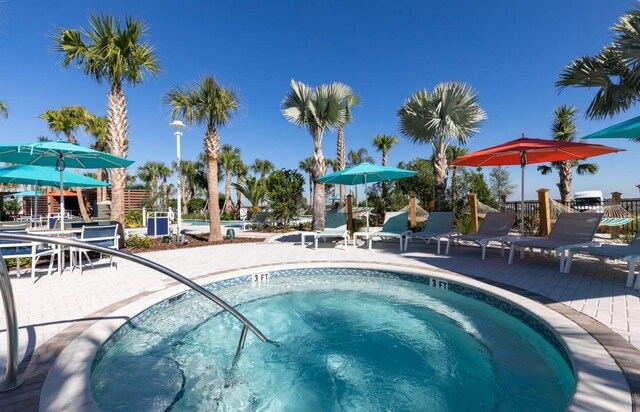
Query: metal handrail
{"x": 10, "y": 380}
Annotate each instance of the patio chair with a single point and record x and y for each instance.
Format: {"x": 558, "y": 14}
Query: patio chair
{"x": 13, "y": 226}
{"x": 570, "y": 230}
{"x": 335, "y": 225}
{"x": 629, "y": 253}
{"x": 495, "y": 227}
{"x": 16, "y": 249}
{"x": 395, "y": 226}
{"x": 105, "y": 236}
{"x": 438, "y": 227}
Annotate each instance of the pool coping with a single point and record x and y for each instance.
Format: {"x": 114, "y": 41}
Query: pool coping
{"x": 607, "y": 366}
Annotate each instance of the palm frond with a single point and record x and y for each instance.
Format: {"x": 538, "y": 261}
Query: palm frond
{"x": 587, "y": 168}
{"x": 545, "y": 169}
{"x": 4, "y": 109}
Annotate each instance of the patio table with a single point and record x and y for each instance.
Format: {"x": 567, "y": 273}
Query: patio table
{"x": 57, "y": 233}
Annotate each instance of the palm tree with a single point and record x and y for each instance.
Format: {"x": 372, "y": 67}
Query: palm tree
{"x": 614, "y": 72}
{"x": 209, "y": 104}
{"x": 188, "y": 181}
{"x": 318, "y": 110}
{"x": 564, "y": 129}
{"x": 359, "y": 156}
{"x": 384, "y": 143}
{"x": 254, "y": 190}
{"x": 454, "y": 152}
{"x": 67, "y": 120}
{"x": 163, "y": 174}
{"x": 306, "y": 165}
{"x": 151, "y": 173}
{"x": 4, "y": 109}
{"x": 229, "y": 161}
{"x": 115, "y": 53}
{"x": 349, "y": 102}
{"x": 98, "y": 127}
{"x": 262, "y": 167}
{"x": 448, "y": 113}
{"x": 240, "y": 171}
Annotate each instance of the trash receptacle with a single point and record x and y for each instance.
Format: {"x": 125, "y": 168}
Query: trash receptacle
{"x": 231, "y": 234}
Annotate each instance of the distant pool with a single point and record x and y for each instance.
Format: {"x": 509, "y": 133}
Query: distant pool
{"x": 203, "y": 222}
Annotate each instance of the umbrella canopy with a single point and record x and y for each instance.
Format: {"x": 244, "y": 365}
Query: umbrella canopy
{"x": 629, "y": 129}
{"x": 60, "y": 154}
{"x": 526, "y": 150}
{"x": 366, "y": 173}
{"x": 45, "y": 176}
{"x": 27, "y": 193}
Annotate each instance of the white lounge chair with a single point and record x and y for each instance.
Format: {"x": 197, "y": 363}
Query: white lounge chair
{"x": 570, "y": 230}
{"x": 335, "y": 225}
{"x": 438, "y": 227}
{"x": 395, "y": 226}
{"x": 495, "y": 227}
{"x": 629, "y": 253}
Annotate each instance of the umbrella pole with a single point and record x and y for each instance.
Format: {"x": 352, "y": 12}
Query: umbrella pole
{"x": 33, "y": 220}
{"x": 366, "y": 201}
{"x": 61, "y": 202}
{"x": 522, "y": 201}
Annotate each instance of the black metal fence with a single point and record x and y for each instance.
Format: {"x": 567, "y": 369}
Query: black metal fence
{"x": 531, "y": 216}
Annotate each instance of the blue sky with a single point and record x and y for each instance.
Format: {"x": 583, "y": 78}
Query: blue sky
{"x": 511, "y": 52}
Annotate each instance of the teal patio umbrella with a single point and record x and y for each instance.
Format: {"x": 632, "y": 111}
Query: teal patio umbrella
{"x": 60, "y": 155}
{"x": 629, "y": 129}
{"x": 45, "y": 176}
{"x": 365, "y": 173}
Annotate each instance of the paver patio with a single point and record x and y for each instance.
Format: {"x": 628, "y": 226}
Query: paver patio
{"x": 54, "y": 303}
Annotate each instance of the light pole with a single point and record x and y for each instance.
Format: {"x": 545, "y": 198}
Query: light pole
{"x": 178, "y": 126}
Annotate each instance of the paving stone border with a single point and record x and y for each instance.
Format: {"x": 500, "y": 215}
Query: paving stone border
{"x": 34, "y": 368}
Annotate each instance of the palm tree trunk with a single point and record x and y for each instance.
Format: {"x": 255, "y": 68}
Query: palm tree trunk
{"x": 342, "y": 163}
{"x": 440, "y": 181}
{"x": 186, "y": 194}
{"x": 118, "y": 146}
{"x": 239, "y": 181}
{"x": 81, "y": 205}
{"x": 212, "y": 149}
{"x": 318, "y": 170}
{"x": 385, "y": 185}
{"x": 565, "y": 181}
{"x": 227, "y": 194}
{"x": 454, "y": 188}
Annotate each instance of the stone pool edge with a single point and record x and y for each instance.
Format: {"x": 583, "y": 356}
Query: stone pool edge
{"x": 603, "y": 366}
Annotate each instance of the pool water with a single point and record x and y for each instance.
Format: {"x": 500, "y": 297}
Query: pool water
{"x": 346, "y": 342}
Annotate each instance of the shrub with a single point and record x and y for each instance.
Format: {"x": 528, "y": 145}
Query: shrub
{"x": 137, "y": 242}
{"x": 463, "y": 223}
{"x": 132, "y": 219}
{"x": 284, "y": 193}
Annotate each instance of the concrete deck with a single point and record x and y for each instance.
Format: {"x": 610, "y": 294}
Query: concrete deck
{"x": 55, "y": 309}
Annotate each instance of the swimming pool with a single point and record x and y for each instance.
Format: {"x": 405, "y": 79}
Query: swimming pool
{"x": 349, "y": 339}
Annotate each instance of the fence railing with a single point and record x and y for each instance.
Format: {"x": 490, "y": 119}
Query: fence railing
{"x": 632, "y": 206}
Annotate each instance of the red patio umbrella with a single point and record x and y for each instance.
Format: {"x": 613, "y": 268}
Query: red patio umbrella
{"x": 526, "y": 150}
{"x": 65, "y": 193}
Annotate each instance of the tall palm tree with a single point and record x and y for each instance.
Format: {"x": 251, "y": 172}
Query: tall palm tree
{"x": 349, "y": 102}
{"x": 209, "y": 104}
{"x": 384, "y": 143}
{"x": 448, "y": 113}
{"x": 151, "y": 173}
{"x": 614, "y": 72}
{"x": 359, "y": 156}
{"x": 564, "y": 129}
{"x": 306, "y": 165}
{"x": 4, "y": 109}
{"x": 318, "y": 109}
{"x": 98, "y": 127}
{"x": 67, "y": 120}
{"x": 262, "y": 167}
{"x": 116, "y": 53}
{"x": 229, "y": 161}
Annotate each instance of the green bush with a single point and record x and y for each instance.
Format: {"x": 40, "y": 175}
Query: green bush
{"x": 284, "y": 193}
{"x": 135, "y": 241}
{"x": 463, "y": 223}
{"x": 199, "y": 216}
{"x": 132, "y": 219}
{"x": 195, "y": 205}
